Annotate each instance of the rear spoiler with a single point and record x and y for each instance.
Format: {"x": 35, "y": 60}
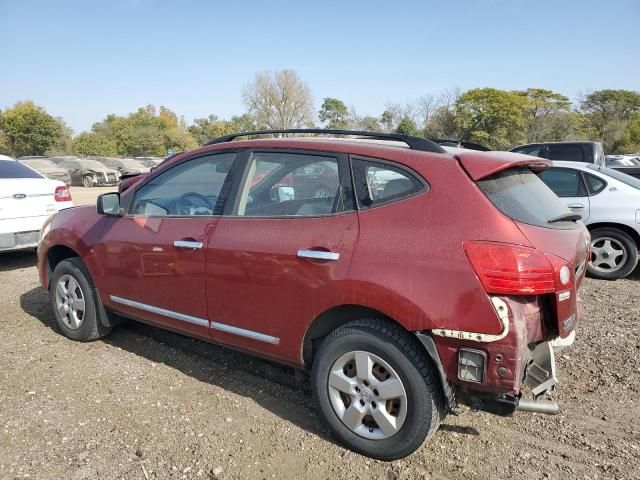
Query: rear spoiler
{"x": 480, "y": 165}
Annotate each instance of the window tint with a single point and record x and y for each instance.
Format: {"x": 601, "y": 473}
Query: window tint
{"x": 378, "y": 183}
{"x": 14, "y": 169}
{"x": 563, "y": 181}
{"x": 195, "y": 187}
{"x": 594, "y": 184}
{"x": 572, "y": 153}
{"x": 534, "y": 150}
{"x": 287, "y": 184}
{"x": 522, "y": 196}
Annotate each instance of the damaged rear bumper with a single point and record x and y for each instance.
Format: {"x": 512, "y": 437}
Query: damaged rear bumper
{"x": 540, "y": 378}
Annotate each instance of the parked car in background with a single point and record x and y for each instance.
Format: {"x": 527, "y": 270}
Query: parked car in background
{"x": 90, "y": 173}
{"x": 608, "y": 202}
{"x": 126, "y": 166}
{"x": 149, "y": 161}
{"x": 399, "y": 302}
{"x": 59, "y": 159}
{"x": 586, "y": 152}
{"x": 27, "y": 200}
{"x": 47, "y": 168}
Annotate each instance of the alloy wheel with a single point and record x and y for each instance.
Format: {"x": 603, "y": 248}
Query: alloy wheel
{"x": 70, "y": 302}
{"x": 367, "y": 395}
{"x": 607, "y": 254}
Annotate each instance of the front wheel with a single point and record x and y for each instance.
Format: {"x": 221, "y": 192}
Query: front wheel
{"x": 376, "y": 389}
{"x": 614, "y": 254}
{"x": 74, "y": 304}
{"x": 87, "y": 182}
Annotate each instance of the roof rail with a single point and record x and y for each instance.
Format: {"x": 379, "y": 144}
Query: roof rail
{"x": 414, "y": 143}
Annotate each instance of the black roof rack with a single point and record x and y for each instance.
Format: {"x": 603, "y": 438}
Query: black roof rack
{"x": 414, "y": 143}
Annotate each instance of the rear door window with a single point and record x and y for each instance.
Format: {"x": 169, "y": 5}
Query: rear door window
{"x": 379, "y": 183}
{"x": 565, "y": 182}
{"x": 571, "y": 153}
{"x": 594, "y": 184}
{"x": 14, "y": 169}
{"x": 522, "y": 196}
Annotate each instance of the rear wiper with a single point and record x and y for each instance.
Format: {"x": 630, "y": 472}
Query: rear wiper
{"x": 567, "y": 217}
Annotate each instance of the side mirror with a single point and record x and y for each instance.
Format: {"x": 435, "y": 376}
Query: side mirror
{"x": 109, "y": 204}
{"x": 282, "y": 194}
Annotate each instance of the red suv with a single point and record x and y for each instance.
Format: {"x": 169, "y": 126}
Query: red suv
{"x": 444, "y": 282}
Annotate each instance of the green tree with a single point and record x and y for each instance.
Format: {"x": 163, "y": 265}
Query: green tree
{"x": 334, "y": 113}
{"x": 608, "y": 113}
{"x": 27, "y": 129}
{"x": 545, "y": 112}
{"x": 492, "y": 117}
{"x": 91, "y": 143}
{"x": 407, "y": 127}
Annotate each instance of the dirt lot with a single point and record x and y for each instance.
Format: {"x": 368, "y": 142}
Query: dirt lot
{"x": 145, "y": 403}
{"x": 85, "y": 196}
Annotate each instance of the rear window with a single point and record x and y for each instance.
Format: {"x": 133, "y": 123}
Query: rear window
{"x": 522, "y": 196}
{"x": 622, "y": 177}
{"x": 13, "y": 169}
{"x": 571, "y": 153}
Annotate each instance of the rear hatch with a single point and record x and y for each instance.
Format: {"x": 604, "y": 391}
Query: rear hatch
{"x": 509, "y": 182}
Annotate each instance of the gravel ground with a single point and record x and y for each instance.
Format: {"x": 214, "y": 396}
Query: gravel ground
{"x": 145, "y": 404}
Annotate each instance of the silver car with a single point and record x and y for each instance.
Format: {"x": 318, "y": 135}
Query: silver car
{"x": 608, "y": 202}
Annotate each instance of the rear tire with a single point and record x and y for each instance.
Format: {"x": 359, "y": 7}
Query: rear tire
{"x": 73, "y": 301}
{"x": 376, "y": 389}
{"x": 614, "y": 254}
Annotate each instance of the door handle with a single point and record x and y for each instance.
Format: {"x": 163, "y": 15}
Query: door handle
{"x": 187, "y": 244}
{"x": 576, "y": 206}
{"x": 318, "y": 255}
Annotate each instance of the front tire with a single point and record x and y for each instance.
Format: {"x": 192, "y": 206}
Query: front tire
{"x": 87, "y": 182}
{"x": 72, "y": 299}
{"x": 376, "y": 389}
{"x": 614, "y": 254}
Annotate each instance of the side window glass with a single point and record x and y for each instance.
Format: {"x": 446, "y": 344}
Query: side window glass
{"x": 563, "y": 182}
{"x": 594, "y": 184}
{"x": 571, "y": 153}
{"x": 533, "y": 151}
{"x": 195, "y": 187}
{"x": 378, "y": 183}
{"x": 287, "y": 184}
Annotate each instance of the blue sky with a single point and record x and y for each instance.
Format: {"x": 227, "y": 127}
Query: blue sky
{"x": 84, "y": 59}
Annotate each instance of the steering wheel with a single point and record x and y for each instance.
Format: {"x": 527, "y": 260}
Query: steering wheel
{"x": 185, "y": 203}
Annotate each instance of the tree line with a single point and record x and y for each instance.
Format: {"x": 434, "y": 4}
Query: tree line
{"x": 499, "y": 119}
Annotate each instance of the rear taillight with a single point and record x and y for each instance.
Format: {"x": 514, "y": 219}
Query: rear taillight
{"x": 516, "y": 270}
{"x": 62, "y": 194}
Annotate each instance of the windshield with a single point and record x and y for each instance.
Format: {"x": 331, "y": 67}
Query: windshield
{"x": 132, "y": 164}
{"x": 41, "y": 163}
{"x": 92, "y": 164}
{"x": 13, "y": 169}
{"x": 522, "y": 196}
{"x": 618, "y": 175}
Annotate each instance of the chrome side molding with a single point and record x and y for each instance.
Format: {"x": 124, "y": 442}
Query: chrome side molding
{"x": 318, "y": 255}
{"x": 160, "y": 311}
{"x": 261, "y": 337}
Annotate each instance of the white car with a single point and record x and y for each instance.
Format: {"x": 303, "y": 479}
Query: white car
{"x": 27, "y": 199}
{"x": 608, "y": 202}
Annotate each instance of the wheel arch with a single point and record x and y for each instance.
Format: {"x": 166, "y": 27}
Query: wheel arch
{"x": 619, "y": 226}
{"x": 55, "y": 255}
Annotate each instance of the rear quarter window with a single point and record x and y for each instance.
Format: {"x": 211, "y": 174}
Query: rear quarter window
{"x": 522, "y": 196}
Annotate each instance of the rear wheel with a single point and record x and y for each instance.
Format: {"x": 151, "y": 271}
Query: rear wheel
{"x": 72, "y": 299}
{"x": 376, "y": 390}
{"x": 87, "y": 182}
{"x": 614, "y": 254}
